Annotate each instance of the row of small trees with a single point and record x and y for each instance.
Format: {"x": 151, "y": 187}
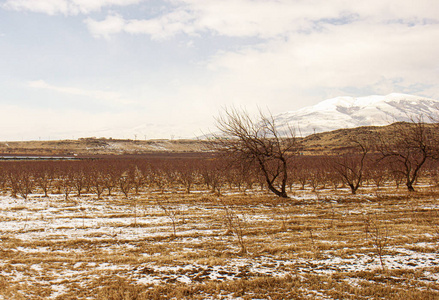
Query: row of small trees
{"x": 109, "y": 176}
{"x": 208, "y": 173}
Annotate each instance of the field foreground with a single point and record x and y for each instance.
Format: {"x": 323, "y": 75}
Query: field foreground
{"x": 325, "y": 245}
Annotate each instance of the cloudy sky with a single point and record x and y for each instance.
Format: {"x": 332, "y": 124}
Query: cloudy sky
{"x": 165, "y": 68}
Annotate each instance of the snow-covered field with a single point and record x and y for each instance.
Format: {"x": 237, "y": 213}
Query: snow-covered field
{"x": 335, "y": 247}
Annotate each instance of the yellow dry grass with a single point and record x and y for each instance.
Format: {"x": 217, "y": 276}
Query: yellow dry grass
{"x": 334, "y": 246}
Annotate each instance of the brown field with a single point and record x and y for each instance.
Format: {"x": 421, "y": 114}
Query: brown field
{"x": 99, "y": 146}
{"x": 167, "y": 220}
{"x": 320, "y": 143}
{"x": 327, "y": 244}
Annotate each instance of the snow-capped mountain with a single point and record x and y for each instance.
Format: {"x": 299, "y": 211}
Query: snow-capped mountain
{"x": 350, "y": 112}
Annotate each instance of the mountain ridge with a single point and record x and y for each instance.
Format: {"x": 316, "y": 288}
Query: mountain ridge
{"x": 352, "y": 112}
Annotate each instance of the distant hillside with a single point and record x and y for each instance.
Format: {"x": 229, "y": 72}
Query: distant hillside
{"x": 340, "y": 140}
{"x": 335, "y": 141}
{"x": 101, "y": 146}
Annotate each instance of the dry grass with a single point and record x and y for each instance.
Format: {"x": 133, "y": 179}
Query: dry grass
{"x": 336, "y": 246}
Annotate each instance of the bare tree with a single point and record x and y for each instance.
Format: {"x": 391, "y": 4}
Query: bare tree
{"x": 187, "y": 174}
{"x": 351, "y": 165}
{"x": 213, "y": 173}
{"x": 172, "y": 212}
{"x": 3, "y": 178}
{"x": 408, "y": 147}
{"x": 111, "y": 178}
{"x": 13, "y": 180}
{"x": 137, "y": 179}
{"x": 78, "y": 181}
{"x": 97, "y": 182}
{"x": 25, "y": 183}
{"x": 125, "y": 183}
{"x": 158, "y": 177}
{"x": 65, "y": 183}
{"x": 258, "y": 142}
{"x": 44, "y": 179}
{"x": 379, "y": 174}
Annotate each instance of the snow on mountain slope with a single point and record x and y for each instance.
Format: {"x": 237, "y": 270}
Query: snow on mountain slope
{"x": 350, "y": 112}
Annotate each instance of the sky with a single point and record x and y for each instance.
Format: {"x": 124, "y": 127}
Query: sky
{"x": 147, "y": 69}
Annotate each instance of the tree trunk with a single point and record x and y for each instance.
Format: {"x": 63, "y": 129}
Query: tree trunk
{"x": 281, "y": 193}
{"x": 410, "y": 187}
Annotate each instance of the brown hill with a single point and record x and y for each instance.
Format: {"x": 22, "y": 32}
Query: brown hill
{"x": 342, "y": 140}
{"x": 320, "y": 143}
{"x": 101, "y": 146}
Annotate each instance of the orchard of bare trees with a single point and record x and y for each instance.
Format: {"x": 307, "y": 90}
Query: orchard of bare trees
{"x": 253, "y": 158}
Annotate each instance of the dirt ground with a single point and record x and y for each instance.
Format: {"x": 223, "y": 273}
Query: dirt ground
{"x": 327, "y": 244}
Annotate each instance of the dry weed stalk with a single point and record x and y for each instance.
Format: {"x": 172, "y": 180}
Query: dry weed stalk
{"x": 83, "y": 210}
{"x": 311, "y": 236}
{"x": 133, "y": 199}
{"x": 282, "y": 210}
{"x": 172, "y": 212}
{"x": 380, "y": 238}
{"x": 331, "y": 224}
{"x": 235, "y": 225}
{"x": 314, "y": 247}
{"x": 366, "y": 222}
{"x": 284, "y": 218}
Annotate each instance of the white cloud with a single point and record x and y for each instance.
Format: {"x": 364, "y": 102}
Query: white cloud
{"x": 269, "y": 19}
{"x": 230, "y": 18}
{"x": 158, "y": 28}
{"x": 111, "y": 25}
{"x": 65, "y": 7}
{"x": 312, "y": 45}
{"x": 163, "y": 27}
{"x": 106, "y": 96}
{"x": 362, "y": 55}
